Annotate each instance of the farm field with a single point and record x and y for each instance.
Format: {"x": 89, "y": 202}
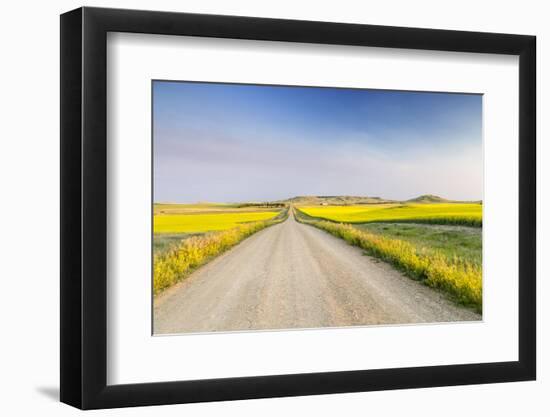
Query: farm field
{"x": 438, "y": 244}
{"x": 203, "y": 208}
{"x": 173, "y": 223}
{"x": 183, "y": 242}
{"x": 445, "y": 254}
{"x": 197, "y": 222}
{"x": 469, "y": 214}
{"x": 452, "y": 241}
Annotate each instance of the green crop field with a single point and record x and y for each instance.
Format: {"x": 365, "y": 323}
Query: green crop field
{"x": 469, "y": 214}
{"x": 451, "y": 241}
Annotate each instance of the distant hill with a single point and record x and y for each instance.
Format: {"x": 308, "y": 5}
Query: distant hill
{"x": 348, "y": 200}
{"x": 340, "y": 200}
{"x": 320, "y": 200}
{"x": 429, "y": 198}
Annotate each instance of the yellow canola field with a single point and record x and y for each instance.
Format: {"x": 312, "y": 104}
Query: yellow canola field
{"x": 207, "y": 222}
{"x": 440, "y": 213}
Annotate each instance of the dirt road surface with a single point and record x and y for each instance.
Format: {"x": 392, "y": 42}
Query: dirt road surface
{"x": 296, "y": 276}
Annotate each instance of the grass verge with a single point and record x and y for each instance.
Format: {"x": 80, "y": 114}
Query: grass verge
{"x": 459, "y": 278}
{"x": 452, "y": 241}
{"x": 178, "y": 262}
{"x": 165, "y": 241}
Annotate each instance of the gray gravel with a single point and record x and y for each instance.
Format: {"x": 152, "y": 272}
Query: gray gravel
{"x": 296, "y": 276}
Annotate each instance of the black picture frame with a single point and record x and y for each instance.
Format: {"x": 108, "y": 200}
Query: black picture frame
{"x": 84, "y": 207}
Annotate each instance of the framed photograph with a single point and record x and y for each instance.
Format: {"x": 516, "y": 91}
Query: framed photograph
{"x": 257, "y": 208}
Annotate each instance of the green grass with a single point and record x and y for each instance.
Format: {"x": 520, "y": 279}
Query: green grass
{"x": 469, "y": 214}
{"x": 451, "y": 241}
{"x": 165, "y": 241}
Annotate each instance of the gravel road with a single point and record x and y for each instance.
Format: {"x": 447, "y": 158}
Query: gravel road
{"x": 296, "y": 276}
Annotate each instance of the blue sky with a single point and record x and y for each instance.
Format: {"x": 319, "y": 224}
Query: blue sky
{"x": 229, "y": 142}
